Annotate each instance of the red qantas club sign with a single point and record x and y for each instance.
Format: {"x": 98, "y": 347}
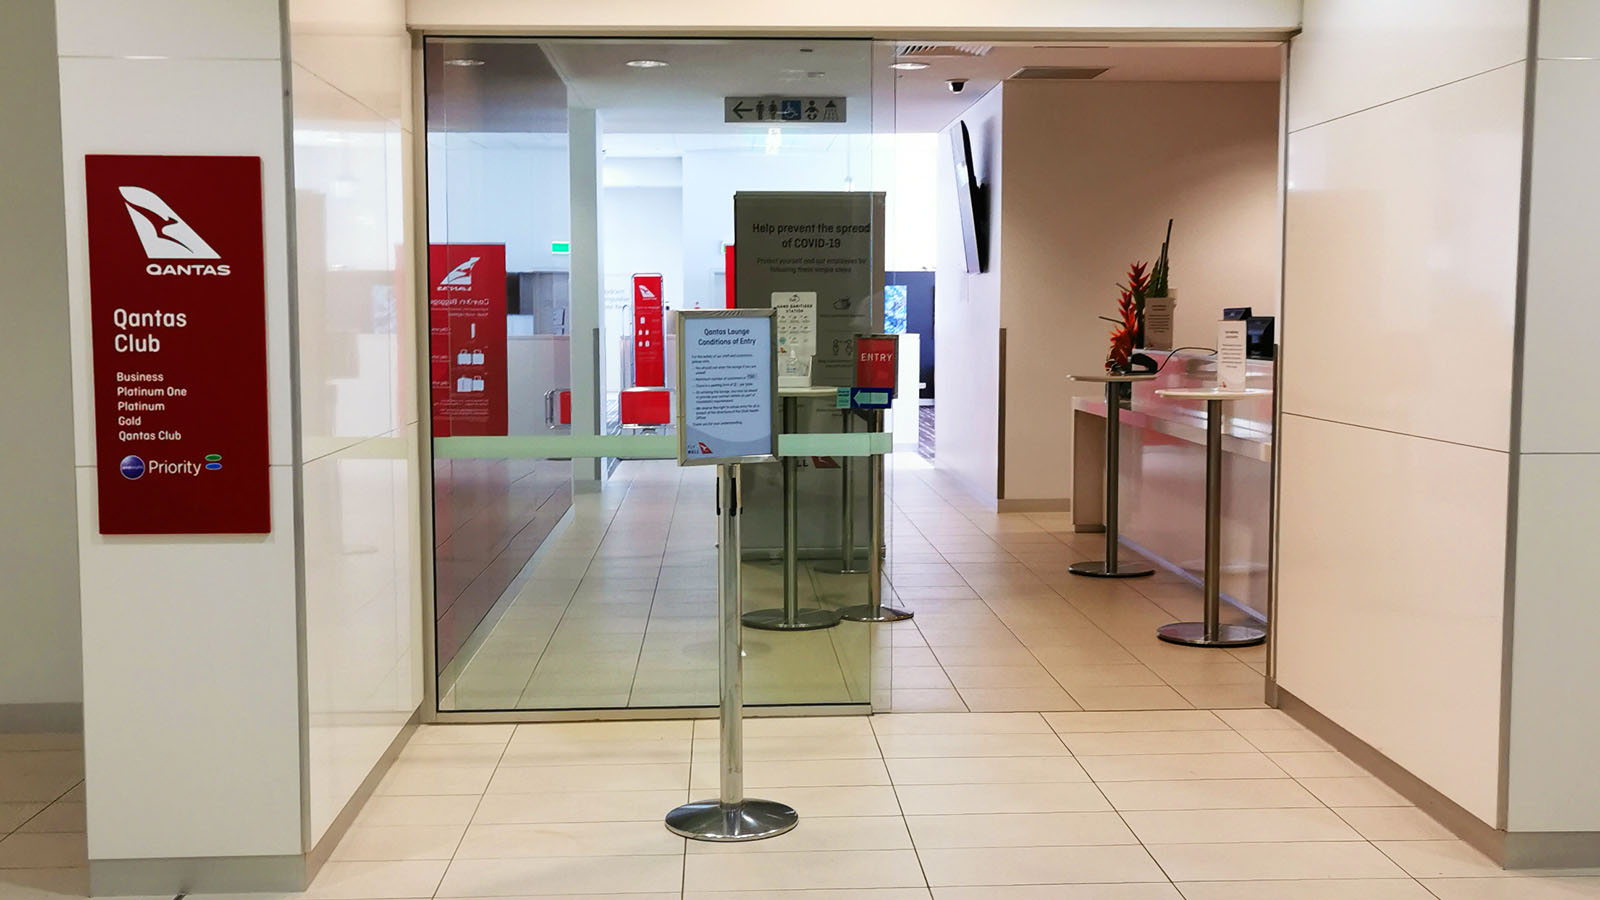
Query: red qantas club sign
{"x": 467, "y": 338}
{"x": 177, "y": 306}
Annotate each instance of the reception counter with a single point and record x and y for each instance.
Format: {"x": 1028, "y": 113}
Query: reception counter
{"x": 1163, "y": 477}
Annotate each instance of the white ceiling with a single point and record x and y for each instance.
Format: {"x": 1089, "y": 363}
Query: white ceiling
{"x": 922, "y": 102}
{"x": 513, "y": 92}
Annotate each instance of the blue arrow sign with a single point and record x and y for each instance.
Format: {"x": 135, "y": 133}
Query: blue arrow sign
{"x": 869, "y": 398}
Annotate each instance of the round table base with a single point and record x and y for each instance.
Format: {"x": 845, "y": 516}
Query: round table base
{"x": 1193, "y": 634}
{"x": 866, "y": 612}
{"x": 1095, "y": 568}
{"x": 747, "y": 820}
{"x": 775, "y": 619}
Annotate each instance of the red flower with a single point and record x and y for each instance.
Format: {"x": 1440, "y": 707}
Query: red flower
{"x": 1122, "y": 338}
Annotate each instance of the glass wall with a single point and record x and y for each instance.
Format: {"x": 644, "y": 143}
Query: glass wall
{"x": 574, "y": 186}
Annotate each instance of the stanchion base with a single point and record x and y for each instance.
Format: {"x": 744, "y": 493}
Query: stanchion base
{"x": 747, "y": 820}
{"x": 804, "y": 620}
{"x": 1193, "y": 634}
{"x": 866, "y": 612}
{"x": 839, "y": 570}
{"x": 1095, "y": 568}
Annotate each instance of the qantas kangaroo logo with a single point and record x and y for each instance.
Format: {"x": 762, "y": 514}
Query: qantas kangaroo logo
{"x": 164, "y": 234}
{"x": 460, "y": 276}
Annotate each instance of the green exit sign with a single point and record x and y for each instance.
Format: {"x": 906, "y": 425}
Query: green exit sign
{"x": 560, "y": 246}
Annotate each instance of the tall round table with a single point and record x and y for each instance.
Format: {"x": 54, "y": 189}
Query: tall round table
{"x": 1212, "y": 632}
{"x": 1110, "y": 567}
{"x": 791, "y": 616}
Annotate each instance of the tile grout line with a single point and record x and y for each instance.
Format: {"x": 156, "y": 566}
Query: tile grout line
{"x": 894, "y": 788}
{"x": 1120, "y": 817}
{"x": 450, "y": 863}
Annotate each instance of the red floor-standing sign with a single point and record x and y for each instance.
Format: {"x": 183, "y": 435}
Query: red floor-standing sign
{"x": 177, "y": 312}
{"x": 467, "y": 338}
{"x": 649, "y": 349}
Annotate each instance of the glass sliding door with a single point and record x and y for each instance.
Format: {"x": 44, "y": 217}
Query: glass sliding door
{"x": 575, "y": 560}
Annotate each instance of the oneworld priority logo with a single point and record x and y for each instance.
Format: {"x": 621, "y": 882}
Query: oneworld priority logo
{"x": 132, "y": 467}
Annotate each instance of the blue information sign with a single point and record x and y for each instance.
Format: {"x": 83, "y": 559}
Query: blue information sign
{"x": 727, "y": 386}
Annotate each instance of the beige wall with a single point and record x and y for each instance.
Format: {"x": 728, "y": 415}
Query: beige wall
{"x": 40, "y": 651}
{"x": 1092, "y": 173}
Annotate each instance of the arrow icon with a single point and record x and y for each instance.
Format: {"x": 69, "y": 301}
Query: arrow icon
{"x": 739, "y": 109}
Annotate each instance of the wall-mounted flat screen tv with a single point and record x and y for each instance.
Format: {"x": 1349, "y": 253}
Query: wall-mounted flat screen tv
{"x": 971, "y": 201}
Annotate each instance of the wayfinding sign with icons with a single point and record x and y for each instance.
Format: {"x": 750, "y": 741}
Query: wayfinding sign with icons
{"x": 177, "y": 311}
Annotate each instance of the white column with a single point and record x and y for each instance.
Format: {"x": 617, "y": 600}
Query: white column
{"x": 1554, "y": 728}
{"x": 191, "y": 656}
{"x": 587, "y": 291}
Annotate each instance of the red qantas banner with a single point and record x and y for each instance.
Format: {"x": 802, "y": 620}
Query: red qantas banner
{"x": 876, "y": 362}
{"x": 649, "y": 349}
{"x": 727, "y": 274}
{"x": 467, "y": 338}
{"x": 177, "y": 311}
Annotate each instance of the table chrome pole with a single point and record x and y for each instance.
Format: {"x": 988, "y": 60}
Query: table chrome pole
{"x": 1110, "y": 568}
{"x": 847, "y": 512}
{"x": 732, "y": 816}
{"x": 791, "y": 617}
{"x": 1211, "y": 632}
{"x": 874, "y": 610}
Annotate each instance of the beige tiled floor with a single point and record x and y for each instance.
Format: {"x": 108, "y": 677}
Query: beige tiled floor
{"x": 1081, "y": 805}
{"x": 1131, "y": 805}
{"x": 619, "y": 611}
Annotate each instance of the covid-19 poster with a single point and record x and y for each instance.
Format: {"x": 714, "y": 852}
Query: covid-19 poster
{"x": 467, "y": 338}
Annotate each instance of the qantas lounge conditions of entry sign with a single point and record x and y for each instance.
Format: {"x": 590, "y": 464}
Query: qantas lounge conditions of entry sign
{"x": 727, "y": 386}
{"x": 177, "y": 305}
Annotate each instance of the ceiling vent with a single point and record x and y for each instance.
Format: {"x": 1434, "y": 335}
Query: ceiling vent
{"x": 943, "y": 51}
{"x": 1059, "y": 73}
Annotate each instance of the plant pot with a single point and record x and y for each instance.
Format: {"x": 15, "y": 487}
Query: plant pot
{"x": 1158, "y": 321}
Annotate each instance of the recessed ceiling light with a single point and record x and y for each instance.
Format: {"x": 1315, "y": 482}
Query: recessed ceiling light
{"x": 647, "y": 63}
{"x": 464, "y": 63}
{"x": 909, "y": 66}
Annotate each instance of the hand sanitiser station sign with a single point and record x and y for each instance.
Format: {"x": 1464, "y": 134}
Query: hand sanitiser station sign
{"x": 177, "y": 311}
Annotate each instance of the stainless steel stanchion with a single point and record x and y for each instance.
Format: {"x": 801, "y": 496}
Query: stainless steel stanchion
{"x": 732, "y": 816}
{"x": 874, "y": 610}
{"x": 1110, "y": 567}
{"x": 1212, "y": 632}
{"x": 791, "y": 617}
{"x": 847, "y": 515}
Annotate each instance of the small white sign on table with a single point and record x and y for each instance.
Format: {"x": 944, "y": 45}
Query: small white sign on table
{"x": 1231, "y": 367}
{"x": 727, "y": 389}
{"x": 796, "y": 313}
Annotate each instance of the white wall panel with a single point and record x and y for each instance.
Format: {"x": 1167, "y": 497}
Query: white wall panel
{"x": 181, "y": 29}
{"x": 1569, "y": 29}
{"x": 351, "y": 70}
{"x": 1562, "y": 316}
{"x": 698, "y": 17}
{"x": 361, "y": 47}
{"x": 190, "y": 644}
{"x": 1390, "y": 596}
{"x": 221, "y": 107}
{"x": 1400, "y": 263}
{"x": 191, "y": 700}
{"x": 1555, "y": 726}
{"x": 1355, "y": 54}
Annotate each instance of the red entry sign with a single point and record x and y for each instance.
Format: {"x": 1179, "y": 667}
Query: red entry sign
{"x": 876, "y": 363}
{"x": 467, "y": 338}
{"x": 177, "y": 311}
{"x": 649, "y": 350}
